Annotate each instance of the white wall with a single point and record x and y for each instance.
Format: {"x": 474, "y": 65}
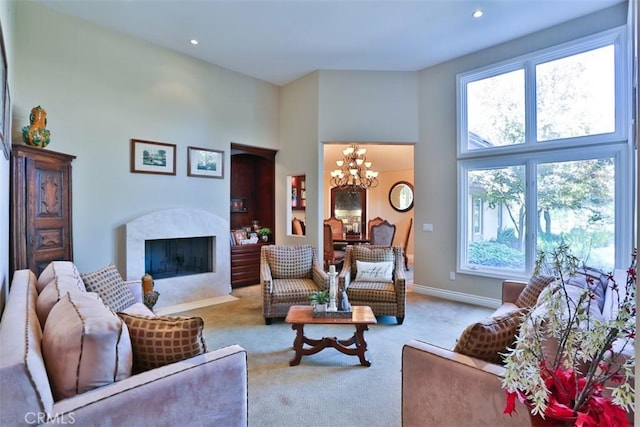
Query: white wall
{"x": 101, "y": 89}
{"x": 7, "y": 22}
{"x": 436, "y": 152}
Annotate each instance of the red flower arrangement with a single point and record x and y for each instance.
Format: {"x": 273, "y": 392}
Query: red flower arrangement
{"x": 568, "y": 384}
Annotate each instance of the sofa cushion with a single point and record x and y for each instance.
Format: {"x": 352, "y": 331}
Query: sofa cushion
{"x": 59, "y": 268}
{"x": 85, "y": 345}
{"x": 529, "y": 295}
{"x": 161, "y": 340}
{"x": 52, "y": 293}
{"x": 108, "y": 283}
{"x": 374, "y": 271}
{"x": 290, "y": 262}
{"x": 488, "y": 338}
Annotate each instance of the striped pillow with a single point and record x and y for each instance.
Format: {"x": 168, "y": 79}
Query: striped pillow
{"x": 84, "y": 345}
{"x": 159, "y": 341}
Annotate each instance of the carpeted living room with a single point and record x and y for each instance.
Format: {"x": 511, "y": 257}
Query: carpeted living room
{"x": 477, "y": 137}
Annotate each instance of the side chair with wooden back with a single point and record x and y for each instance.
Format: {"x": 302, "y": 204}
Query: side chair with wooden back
{"x": 375, "y": 221}
{"x": 382, "y": 234}
{"x": 337, "y": 228}
{"x": 406, "y": 243}
{"x": 331, "y": 256}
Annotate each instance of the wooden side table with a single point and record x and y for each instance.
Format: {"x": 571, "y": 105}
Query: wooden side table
{"x": 300, "y": 315}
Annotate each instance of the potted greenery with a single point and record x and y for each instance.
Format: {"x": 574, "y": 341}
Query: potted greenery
{"x": 319, "y": 300}
{"x": 566, "y": 355}
{"x": 264, "y": 233}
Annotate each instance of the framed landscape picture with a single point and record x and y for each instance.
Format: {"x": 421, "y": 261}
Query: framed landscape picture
{"x": 205, "y": 163}
{"x": 153, "y": 157}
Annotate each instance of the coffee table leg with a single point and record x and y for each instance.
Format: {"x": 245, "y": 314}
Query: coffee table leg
{"x": 297, "y": 343}
{"x": 361, "y": 344}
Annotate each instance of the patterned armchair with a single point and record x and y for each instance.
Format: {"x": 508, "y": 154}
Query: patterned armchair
{"x": 289, "y": 275}
{"x": 381, "y": 283}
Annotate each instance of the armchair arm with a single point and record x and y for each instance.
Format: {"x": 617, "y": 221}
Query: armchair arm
{"x": 511, "y": 289}
{"x": 265, "y": 272}
{"x": 344, "y": 278}
{"x": 320, "y": 276}
{"x": 220, "y": 376}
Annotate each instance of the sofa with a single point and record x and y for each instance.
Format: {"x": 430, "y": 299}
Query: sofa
{"x": 443, "y": 387}
{"x": 207, "y": 389}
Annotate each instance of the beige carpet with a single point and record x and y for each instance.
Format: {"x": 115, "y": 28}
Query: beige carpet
{"x": 328, "y": 388}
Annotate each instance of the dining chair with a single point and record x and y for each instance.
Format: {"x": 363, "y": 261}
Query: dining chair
{"x": 337, "y": 230}
{"x": 331, "y": 255}
{"x": 296, "y": 227}
{"x": 382, "y": 234}
{"x": 406, "y": 243}
{"x": 375, "y": 221}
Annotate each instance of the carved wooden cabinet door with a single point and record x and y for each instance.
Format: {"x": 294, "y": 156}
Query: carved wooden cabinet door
{"x": 40, "y": 208}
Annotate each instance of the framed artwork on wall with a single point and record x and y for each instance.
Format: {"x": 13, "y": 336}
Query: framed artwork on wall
{"x": 238, "y": 204}
{"x": 205, "y": 163}
{"x": 5, "y": 103}
{"x": 153, "y": 157}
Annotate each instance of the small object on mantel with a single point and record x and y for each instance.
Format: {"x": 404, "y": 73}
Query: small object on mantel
{"x": 36, "y": 133}
{"x": 150, "y": 295}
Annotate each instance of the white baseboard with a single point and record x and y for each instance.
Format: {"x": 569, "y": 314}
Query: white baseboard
{"x": 457, "y": 296}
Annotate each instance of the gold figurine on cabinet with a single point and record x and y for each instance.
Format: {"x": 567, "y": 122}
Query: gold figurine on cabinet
{"x": 36, "y": 133}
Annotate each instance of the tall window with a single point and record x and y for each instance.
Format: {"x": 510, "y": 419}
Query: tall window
{"x": 544, "y": 156}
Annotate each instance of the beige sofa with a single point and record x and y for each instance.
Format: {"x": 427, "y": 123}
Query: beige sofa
{"x": 443, "y": 388}
{"x": 209, "y": 389}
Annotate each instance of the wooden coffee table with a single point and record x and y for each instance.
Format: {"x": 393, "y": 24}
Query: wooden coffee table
{"x": 300, "y": 315}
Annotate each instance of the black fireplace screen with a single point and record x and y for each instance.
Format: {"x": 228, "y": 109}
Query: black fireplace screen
{"x": 178, "y": 257}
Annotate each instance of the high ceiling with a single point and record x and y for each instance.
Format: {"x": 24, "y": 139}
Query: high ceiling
{"x": 279, "y": 41}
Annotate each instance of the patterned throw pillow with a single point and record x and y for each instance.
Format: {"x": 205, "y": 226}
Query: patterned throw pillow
{"x": 485, "y": 340}
{"x": 290, "y": 262}
{"x": 529, "y": 295}
{"x": 159, "y": 341}
{"x": 108, "y": 283}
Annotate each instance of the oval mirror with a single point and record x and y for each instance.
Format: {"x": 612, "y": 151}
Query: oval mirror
{"x": 401, "y": 196}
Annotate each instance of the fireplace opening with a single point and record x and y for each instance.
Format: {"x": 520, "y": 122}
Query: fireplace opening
{"x": 178, "y": 257}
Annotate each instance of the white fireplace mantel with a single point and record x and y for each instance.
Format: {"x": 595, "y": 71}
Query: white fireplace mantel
{"x": 181, "y": 223}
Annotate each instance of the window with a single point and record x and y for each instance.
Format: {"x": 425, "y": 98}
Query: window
{"x": 544, "y": 156}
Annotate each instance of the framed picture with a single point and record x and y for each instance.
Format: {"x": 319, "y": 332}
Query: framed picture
{"x": 153, "y": 157}
{"x": 205, "y": 163}
{"x": 239, "y": 236}
{"x": 238, "y": 204}
{"x": 5, "y": 103}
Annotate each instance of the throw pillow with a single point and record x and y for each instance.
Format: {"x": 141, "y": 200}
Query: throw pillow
{"x": 108, "y": 283}
{"x": 529, "y": 295}
{"x": 374, "y": 271}
{"x": 290, "y": 262}
{"x": 485, "y": 340}
{"x": 84, "y": 345}
{"x": 52, "y": 293}
{"x": 367, "y": 254}
{"x": 159, "y": 341}
{"x": 57, "y": 269}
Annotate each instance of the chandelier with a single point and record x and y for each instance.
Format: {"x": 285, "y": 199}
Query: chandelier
{"x": 354, "y": 170}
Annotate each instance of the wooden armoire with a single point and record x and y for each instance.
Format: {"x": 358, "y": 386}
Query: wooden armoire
{"x": 40, "y": 208}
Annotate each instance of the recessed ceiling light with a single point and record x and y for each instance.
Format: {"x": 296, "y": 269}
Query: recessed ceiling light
{"x": 194, "y": 41}
{"x": 477, "y": 13}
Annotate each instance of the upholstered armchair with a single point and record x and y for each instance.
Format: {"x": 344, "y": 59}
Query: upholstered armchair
{"x": 289, "y": 275}
{"x": 375, "y": 276}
